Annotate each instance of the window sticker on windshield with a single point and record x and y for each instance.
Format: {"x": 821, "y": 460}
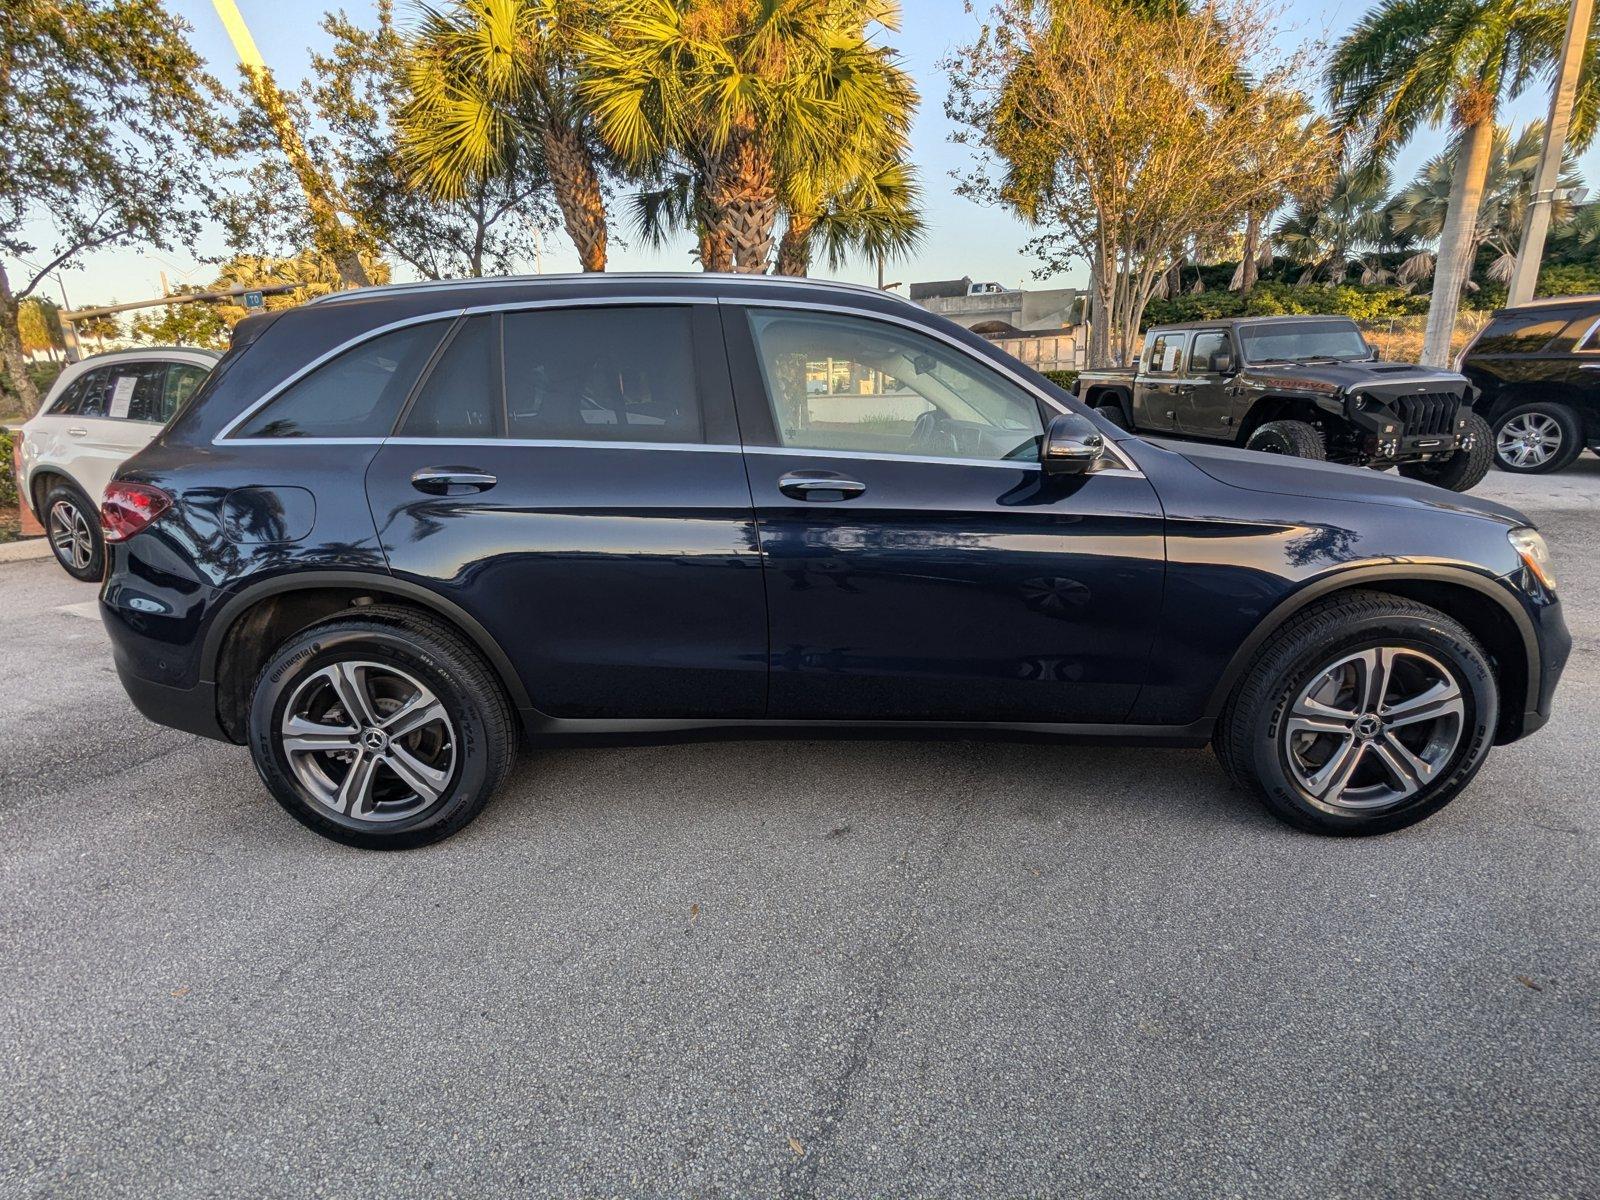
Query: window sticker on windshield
{"x": 122, "y": 395}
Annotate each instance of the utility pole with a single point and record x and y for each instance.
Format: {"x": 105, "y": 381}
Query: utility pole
{"x": 1531, "y": 250}
{"x": 331, "y": 235}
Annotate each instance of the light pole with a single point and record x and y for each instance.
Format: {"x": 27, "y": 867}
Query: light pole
{"x": 1531, "y": 250}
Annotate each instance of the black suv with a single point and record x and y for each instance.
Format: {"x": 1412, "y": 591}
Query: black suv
{"x": 401, "y": 529}
{"x": 1306, "y": 386}
{"x": 1538, "y": 367}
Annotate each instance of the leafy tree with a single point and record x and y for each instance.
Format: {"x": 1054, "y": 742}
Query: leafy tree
{"x": 1422, "y": 207}
{"x": 105, "y": 117}
{"x": 1119, "y": 131}
{"x": 1414, "y": 63}
{"x": 874, "y": 211}
{"x": 194, "y": 324}
{"x": 1322, "y": 233}
{"x": 314, "y": 274}
{"x": 492, "y": 88}
{"x": 100, "y": 329}
{"x": 39, "y": 325}
{"x": 746, "y": 107}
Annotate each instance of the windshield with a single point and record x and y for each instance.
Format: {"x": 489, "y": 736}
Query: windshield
{"x": 1302, "y": 341}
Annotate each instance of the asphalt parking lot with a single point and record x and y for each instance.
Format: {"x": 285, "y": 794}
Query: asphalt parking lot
{"x": 790, "y": 968}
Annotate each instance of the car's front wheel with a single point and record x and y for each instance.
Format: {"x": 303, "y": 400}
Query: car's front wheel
{"x": 1463, "y": 470}
{"x": 1299, "y": 438}
{"x": 1364, "y": 714}
{"x": 72, "y": 523}
{"x": 383, "y": 730}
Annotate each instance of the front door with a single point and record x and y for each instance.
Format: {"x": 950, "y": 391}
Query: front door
{"x": 919, "y": 565}
{"x": 591, "y": 511}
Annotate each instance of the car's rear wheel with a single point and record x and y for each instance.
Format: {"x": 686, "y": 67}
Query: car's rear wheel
{"x": 1363, "y": 715}
{"x": 1533, "y": 439}
{"x": 72, "y": 523}
{"x": 1114, "y": 414}
{"x": 384, "y": 730}
{"x": 1463, "y": 470}
{"x": 1299, "y": 438}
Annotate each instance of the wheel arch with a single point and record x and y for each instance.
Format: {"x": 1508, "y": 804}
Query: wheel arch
{"x": 1503, "y": 630}
{"x": 1110, "y": 393}
{"x": 1275, "y": 407}
{"x": 259, "y": 618}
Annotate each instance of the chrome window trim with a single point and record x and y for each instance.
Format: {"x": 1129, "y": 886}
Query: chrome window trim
{"x": 1008, "y": 464}
{"x": 565, "y": 444}
{"x": 1127, "y": 465}
{"x": 446, "y": 314}
{"x": 1578, "y": 346}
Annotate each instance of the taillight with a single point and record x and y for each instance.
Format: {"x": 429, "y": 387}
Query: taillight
{"x": 129, "y": 507}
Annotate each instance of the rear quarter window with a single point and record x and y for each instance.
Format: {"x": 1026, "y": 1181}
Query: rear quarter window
{"x": 1519, "y": 333}
{"x": 356, "y": 394}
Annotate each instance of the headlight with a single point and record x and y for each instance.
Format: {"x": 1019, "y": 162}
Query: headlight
{"x": 1535, "y": 555}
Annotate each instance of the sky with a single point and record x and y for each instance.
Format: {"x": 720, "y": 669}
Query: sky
{"x": 963, "y": 238}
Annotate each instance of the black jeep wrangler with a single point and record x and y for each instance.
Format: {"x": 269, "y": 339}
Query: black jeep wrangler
{"x": 1307, "y": 386}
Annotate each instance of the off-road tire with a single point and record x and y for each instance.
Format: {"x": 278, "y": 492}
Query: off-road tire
{"x": 1570, "y": 424}
{"x": 1463, "y": 470}
{"x": 1247, "y": 736}
{"x": 60, "y": 499}
{"x": 433, "y": 653}
{"x": 1114, "y": 414}
{"x": 1298, "y": 438}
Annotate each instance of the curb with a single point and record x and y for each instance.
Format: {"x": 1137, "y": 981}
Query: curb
{"x": 24, "y": 550}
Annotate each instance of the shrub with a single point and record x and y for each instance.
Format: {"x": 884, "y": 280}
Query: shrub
{"x": 1062, "y": 379}
{"x": 8, "y": 483}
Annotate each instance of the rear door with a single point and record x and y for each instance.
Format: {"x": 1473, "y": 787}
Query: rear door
{"x": 92, "y": 445}
{"x": 571, "y": 476}
{"x": 918, "y": 564}
{"x": 1162, "y": 384}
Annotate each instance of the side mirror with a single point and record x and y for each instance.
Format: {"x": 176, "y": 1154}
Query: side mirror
{"x": 1071, "y": 445}
{"x": 1222, "y": 362}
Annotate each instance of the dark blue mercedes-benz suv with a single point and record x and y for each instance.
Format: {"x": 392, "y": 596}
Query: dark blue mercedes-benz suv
{"x": 402, "y": 529}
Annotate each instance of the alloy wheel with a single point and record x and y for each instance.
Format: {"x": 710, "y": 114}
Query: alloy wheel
{"x": 70, "y": 535}
{"x": 1529, "y": 439}
{"x": 1374, "y": 728}
{"x": 368, "y": 741}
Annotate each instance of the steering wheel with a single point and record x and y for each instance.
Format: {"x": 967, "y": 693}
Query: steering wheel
{"x": 930, "y": 433}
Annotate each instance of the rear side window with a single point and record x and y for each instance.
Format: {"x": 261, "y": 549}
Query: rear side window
{"x": 70, "y": 402}
{"x": 355, "y": 395}
{"x": 1165, "y": 356}
{"x": 461, "y": 398}
{"x": 1519, "y": 333}
{"x": 95, "y": 400}
{"x": 601, "y": 374}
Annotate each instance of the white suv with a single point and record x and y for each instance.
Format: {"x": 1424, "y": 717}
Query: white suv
{"x": 98, "y": 413}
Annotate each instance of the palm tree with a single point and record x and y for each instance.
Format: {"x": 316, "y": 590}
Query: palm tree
{"x": 1325, "y": 232}
{"x": 1414, "y": 63}
{"x": 875, "y": 213}
{"x": 485, "y": 75}
{"x": 1421, "y": 208}
{"x": 739, "y": 96}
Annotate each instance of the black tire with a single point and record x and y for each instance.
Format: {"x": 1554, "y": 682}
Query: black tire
{"x": 1113, "y": 413}
{"x": 1253, "y": 742}
{"x": 1464, "y": 469}
{"x": 477, "y": 719}
{"x": 1560, "y": 423}
{"x": 72, "y": 523}
{"x": 1298, "y": 438}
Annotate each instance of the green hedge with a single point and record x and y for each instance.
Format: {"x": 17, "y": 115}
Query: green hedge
{"x": 8, "y": 483}
{"x": 1062, "y": 379}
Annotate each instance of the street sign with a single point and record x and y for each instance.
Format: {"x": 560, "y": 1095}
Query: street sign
{"x": 253, "y": 300}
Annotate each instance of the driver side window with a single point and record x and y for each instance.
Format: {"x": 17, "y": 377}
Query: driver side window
{"x": 854, "y": 384}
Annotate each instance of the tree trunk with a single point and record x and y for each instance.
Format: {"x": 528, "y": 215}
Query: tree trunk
{"x": 794, "y": 248}
{"x": 15, "y": 361}
{"x": 1100, "y": 306}
{"x": 745, "y": 204}
{"x": 1454, "y": 265}
{"x": 1252, "y": 249}
{"x": 578, "y": 195}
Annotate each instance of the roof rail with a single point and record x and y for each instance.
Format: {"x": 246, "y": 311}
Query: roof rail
{"x": 400, "y": 289}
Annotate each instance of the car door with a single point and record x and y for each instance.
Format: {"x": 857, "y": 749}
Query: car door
{"x": 1161, "y": 382}
{"x": 92, "y": 445}
{"x": 571, "y": 477}
{"x": 1206, "y": 408}
{"x": 918, "y": 563}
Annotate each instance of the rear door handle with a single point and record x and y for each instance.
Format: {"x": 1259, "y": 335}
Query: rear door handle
{"x": 451, "y": 481}
{"x": 1589, "y": 366}
{"x": 820, "y": 486}
{"x": 77, "y": 431}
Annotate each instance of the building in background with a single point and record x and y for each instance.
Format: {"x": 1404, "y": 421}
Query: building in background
{"x": 1043, "y": 328}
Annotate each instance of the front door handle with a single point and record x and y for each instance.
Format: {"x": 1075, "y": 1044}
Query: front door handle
{"x": 1589, "y": 366}
{"x": 451, "y": 481}
{"x": 819, "y": 486}
{"x": 76, "y": 431}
